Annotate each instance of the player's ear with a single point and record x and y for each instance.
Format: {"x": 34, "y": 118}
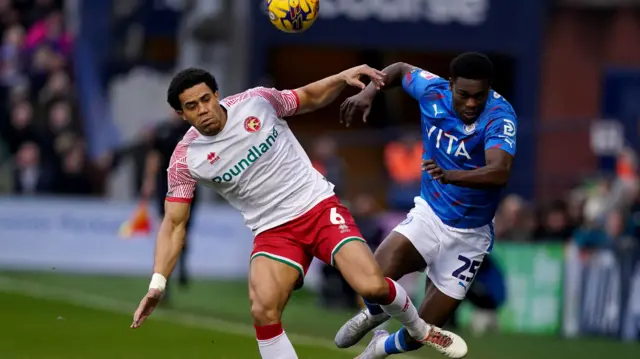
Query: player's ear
{"x": 216, "y": 94}
{"x": 181, "y": 115}
{"x": 450, "y": 84}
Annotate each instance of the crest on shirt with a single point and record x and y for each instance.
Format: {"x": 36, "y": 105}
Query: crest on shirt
{"x": 252, "y": 124}
{"x": 468, "y": 129}
{"x": 428, "y": 75}
{"x": 212, "y": 157}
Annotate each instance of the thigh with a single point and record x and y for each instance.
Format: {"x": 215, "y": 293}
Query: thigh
{"x": 420, "y": 230}
{"x": 278, "y": 246}
{"x": 357, "y": 265}
{"x": 458, "y": 261}
{"x": 270, "y": 285}
{"x": 332, "y": 228}
{"x": 397, "y": 256}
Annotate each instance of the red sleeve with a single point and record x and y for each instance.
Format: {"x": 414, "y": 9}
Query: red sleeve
{"x": 181, "y": 184}
{"x": 285, "y": 103}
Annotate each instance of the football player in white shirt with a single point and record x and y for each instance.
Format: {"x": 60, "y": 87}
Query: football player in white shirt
{"x": 242, "y": 148}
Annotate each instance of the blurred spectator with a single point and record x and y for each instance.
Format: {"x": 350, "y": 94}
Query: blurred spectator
{"x": 44, "y": 62}
{"x": 74, "y": 178}
{"x": 31, "y": 176}
{"x": 21, "y": 128}
{"x": 8, "y": 14}
{"x": 49, "y": 31}
{"x": 616, "y": 232}
{"x": 403, "y": 161}
{"x": 575, "y": 206}
{"x": 555, "y": 224}
{"x": 366, "y": 213}
{"x": 515, "y": 220}
{"x": 329, "y": 164}
{"x": 11, "y": 57}
{"x": 58, "y": 85}
{"x": 60, "y": 127}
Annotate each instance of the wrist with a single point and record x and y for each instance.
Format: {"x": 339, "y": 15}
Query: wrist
{"x": 370, "y": 91}
{"x": 158, "y": 282}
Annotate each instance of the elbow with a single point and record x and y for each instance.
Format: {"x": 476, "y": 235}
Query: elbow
{"x": 309, "y": 100}
{"x": 405, "y": 68}
{"x": 501, "y": 177}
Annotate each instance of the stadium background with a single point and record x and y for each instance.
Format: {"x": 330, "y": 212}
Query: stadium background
{"x": 83, "y": 86}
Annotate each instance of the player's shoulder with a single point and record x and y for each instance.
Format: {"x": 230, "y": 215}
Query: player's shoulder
{"x": 498, "y": 106}
{"x": 182, "y": 148}
{"x": 497, "y": 111}
{"x": 421, "y": 75}
{"x": 261, "y": 94}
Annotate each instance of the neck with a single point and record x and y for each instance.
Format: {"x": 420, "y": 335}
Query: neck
{"x": 224, "y": 117}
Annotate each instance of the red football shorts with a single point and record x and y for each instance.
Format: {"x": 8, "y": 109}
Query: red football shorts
{"x": 320, "y": 233}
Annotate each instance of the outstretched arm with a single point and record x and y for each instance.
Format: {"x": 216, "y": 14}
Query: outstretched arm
{"x": 177, "y": 207}
{"x": 319, "y": 94}
{"x": 393, "y": 75}
{"x": 168, "y": 247}
{"x": 411, "y": 78}
{"x": 171, "y": 237}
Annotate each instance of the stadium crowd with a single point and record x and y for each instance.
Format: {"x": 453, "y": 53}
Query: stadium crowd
{"x": 42, "y": 146}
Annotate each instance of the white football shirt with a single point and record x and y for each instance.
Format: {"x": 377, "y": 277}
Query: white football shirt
{"x": 255, "y": 162}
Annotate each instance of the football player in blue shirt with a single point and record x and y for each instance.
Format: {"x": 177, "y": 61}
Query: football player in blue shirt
{"x": 469, "y": 136}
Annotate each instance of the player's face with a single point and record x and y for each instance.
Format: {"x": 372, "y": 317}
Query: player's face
{"x": 469, "y": 97}
{"x": 201, "y": 109}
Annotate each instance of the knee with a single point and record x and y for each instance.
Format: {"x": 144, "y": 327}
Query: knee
{"x": 264, "y": 313}
{"x": 375, "y": 290}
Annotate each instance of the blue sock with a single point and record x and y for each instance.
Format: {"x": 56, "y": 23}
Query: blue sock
{"x": 374, "y": 309}
{"x": 395, "y": 343}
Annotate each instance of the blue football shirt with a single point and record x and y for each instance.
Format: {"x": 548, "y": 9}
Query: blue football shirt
{"x": 456, "y": 146}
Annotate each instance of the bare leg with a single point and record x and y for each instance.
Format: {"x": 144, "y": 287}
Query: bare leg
{"x": 270, "y": 286}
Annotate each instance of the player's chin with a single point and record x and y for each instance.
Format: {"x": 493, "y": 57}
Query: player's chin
{"x": 209, "y": 129}
{"x": 469, "y": 116}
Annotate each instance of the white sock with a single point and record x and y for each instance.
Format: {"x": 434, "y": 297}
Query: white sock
{"x": 278, "y": 347}
{"x": 403, "y": 310}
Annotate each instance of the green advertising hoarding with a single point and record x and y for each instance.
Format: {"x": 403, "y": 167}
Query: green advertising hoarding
{"x": 534, "y": 281}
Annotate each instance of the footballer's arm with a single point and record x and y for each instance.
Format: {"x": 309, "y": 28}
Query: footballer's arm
{"x": 393, "y": 75}
{"x": 319, "y": 94}
{"x": 171, "y": 237}
{"x": 494, "y": 174}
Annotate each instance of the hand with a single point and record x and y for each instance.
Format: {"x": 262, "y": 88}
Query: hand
{"x": 354, "y": 106}
{"x": 352, "y": 76}
{"x": 437, "y": 173}
{"x": 146, "y": 307}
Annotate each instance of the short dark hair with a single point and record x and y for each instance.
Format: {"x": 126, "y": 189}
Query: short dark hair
{"x": 472, "y": 66}
{"x": 186, "y": 79}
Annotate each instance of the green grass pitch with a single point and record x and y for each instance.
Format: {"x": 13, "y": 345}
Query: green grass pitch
{"x": 65, "y": 316}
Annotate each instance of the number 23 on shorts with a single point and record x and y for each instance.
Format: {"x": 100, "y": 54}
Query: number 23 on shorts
{"x": 468, "y": 270}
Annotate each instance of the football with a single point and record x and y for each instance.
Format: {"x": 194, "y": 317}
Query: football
{"x": 293, "y": 16}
